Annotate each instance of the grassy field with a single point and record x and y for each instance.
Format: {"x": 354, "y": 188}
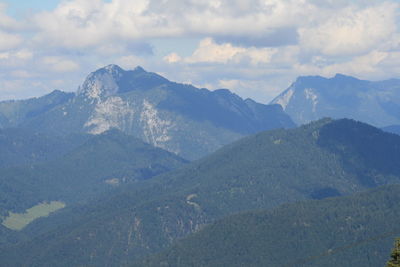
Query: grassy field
{"x": 17, "y": 221}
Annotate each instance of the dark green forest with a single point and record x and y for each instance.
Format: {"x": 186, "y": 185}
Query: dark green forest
{"x": 357, "y": 230}
{"x": 99, "y": 164}
{"x": 327, "y": 158}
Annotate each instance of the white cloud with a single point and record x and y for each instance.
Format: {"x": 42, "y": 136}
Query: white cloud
{"x": 22, "y": 74}
{"x": 129, "y": 62}
{"x": 352, "y": 31}
{"x": 172, "y": 58}
{"x": 209, "y": 51}
{"x": 365, "y": 64}
{"x": 374, "y": 65}
{"x": 16, "y": 88}
{"x": 15, "y": 58}
{"x": 4, "y": 55}
{"x": 24, "y": 54}
{"x": 254, "y": 89}
{"x": 58, "y": 64}
{"x": 84, "y": 23}
{"x": 9, "y": 41}
{"x": 8, "y": 23}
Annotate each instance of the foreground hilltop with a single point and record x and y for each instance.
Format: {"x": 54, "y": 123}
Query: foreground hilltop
{"x": 349, "y": 231}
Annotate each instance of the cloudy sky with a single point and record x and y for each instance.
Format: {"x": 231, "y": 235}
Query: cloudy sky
{"x": 256, "y": 48}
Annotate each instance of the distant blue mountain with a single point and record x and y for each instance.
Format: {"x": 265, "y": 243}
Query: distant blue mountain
{"x": 392, "y": 129}
{"x": 14, "y": 113}
{"x": 313, "y": 97}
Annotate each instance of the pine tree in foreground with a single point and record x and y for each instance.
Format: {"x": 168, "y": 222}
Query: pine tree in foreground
{"x": 395, "y": 256}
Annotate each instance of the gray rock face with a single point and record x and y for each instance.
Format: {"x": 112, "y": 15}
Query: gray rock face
{"x": 101, "y": 83}
{"x": 177, "y": 117}
{"x": 314, "y": 97}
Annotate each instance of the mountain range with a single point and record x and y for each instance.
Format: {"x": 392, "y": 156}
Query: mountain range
{"x": 101, "y": 177}
{"x": 180, "y": 118}
{"x": 314, "y": 97}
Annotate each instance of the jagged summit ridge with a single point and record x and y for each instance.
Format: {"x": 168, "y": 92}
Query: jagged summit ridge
{"x": 112, "y": 79}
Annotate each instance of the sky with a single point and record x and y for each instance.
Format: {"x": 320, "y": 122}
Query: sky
{"x": 255, "y": 48}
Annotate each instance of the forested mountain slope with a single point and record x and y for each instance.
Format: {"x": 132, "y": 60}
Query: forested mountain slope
{"x": 357, "y": 230}
{"x": 322, "y": 159}
{"x": 102, "y": 163}
{"x": 20, "y": 146}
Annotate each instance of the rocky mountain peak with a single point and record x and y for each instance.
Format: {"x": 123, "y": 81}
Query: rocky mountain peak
{"x": 113, "y": 69}
{"x": 102, "y": 82}
{"x": 112, "y": 79}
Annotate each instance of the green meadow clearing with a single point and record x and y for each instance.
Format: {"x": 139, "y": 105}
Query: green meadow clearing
{"x": 17, "y": 221}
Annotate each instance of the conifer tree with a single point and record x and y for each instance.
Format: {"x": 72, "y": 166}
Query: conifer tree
{"x": 395, "y": 256}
